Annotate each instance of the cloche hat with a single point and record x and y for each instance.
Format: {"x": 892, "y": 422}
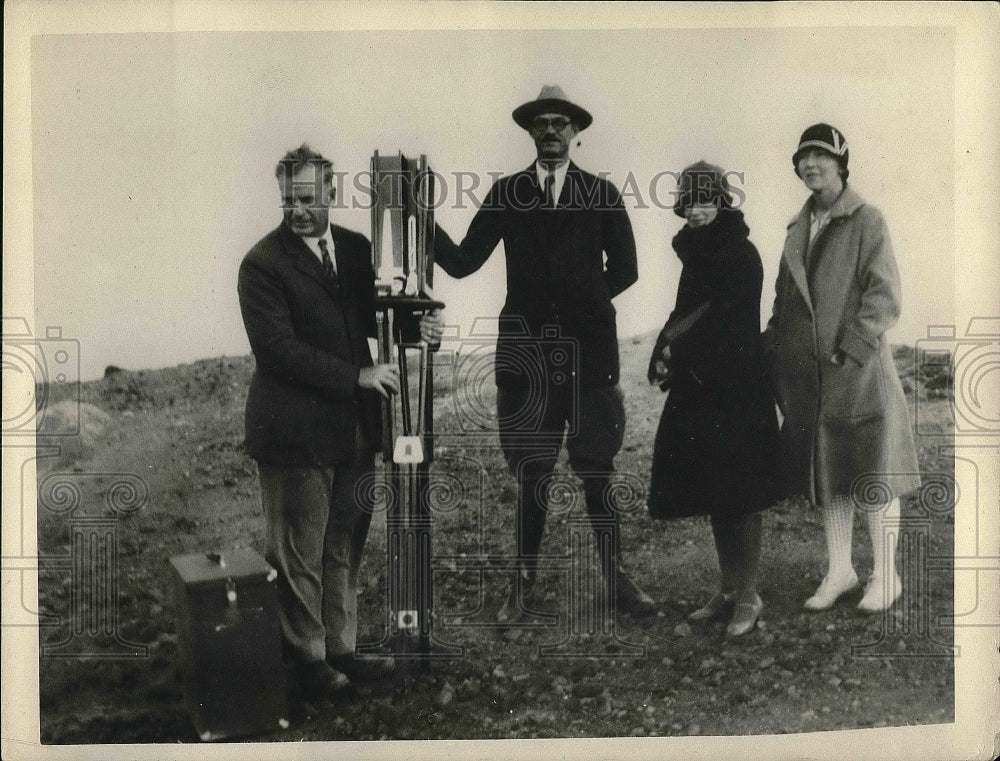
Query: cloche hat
{"x": 826, "y": 138}
{"x": 551, "y": 99}
{"x": 702, "y": 183}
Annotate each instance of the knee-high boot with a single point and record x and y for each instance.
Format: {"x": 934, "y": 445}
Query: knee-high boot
{"x": 530, "y": 525}
{"x": 625, "y": 594}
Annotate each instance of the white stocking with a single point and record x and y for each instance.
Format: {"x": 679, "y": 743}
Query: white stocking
{"x": 883, "y": 525}
{"x": 884, "y": 588}
{"x": 838, "y": 523}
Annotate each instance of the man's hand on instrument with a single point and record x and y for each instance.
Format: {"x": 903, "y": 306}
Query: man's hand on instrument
{"x": 381, "y": 378}
{"x": 432, "y": 326}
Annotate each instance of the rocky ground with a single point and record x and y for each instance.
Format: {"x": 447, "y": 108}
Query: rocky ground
{"x": 174, "y": 436}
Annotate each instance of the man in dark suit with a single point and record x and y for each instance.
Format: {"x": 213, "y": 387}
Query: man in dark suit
{"x": 570, "y": 250}
{"x": 307, "y": 294}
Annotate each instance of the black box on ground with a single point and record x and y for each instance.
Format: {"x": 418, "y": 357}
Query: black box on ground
{"x": 229, "y": 643}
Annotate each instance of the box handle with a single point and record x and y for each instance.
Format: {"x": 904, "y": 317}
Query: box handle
{"x": 216, "y": 557}
{"x": 232, "y": 614}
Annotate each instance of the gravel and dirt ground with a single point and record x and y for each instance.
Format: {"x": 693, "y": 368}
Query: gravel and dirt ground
{"x": 175, "y": 435}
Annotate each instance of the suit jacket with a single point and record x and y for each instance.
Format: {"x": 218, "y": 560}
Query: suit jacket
{"x": 564, "y": 266}
{"x": 309, "y": 339}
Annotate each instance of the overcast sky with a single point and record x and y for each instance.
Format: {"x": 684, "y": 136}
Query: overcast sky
{"x": 153, "y": 154}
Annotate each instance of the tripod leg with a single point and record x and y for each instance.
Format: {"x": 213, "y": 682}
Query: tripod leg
{"x": 404, "y": 391}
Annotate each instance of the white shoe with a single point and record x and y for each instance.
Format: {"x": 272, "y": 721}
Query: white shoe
{"x": 881, "y": 594}
{"x": 830, "y": 591}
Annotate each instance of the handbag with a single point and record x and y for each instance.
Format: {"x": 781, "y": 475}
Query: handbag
{"x": 671, "y": 332}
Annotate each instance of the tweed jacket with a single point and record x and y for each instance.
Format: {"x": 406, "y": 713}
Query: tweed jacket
{"x": 564, "y": 266}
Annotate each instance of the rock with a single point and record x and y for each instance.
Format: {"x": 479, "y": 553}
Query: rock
{"x": 499, "y": 673}
{"x": 446, "y": 695}
{"x": 682, "y": 630}
{"x": 637, "y": 732}
{"x": 834, "y": 681}
{"x": 77, "y": 424}
{"x": 767, "y": 661}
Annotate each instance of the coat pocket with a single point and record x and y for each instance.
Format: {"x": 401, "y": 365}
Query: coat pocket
{"x": 850, "y": 452}
{"x": 850, "y": 390}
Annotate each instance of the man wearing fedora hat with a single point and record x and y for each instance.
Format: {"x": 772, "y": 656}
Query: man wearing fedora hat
{"x": 570, "y": 249}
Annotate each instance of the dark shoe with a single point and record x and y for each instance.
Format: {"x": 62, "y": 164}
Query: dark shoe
{"x": 363, "y": 669}
{"x": 745, "y": 616}
{"x": 320, "y": 682}
{"x": 717, "y": 607}
{"x": 630, "y": 598}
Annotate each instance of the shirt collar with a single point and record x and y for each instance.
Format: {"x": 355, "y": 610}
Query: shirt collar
{"x": 313, "y": 244}
{"x": 560, "y": 177}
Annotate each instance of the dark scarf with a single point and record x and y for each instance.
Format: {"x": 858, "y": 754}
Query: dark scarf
{"x": 727, "y": 232}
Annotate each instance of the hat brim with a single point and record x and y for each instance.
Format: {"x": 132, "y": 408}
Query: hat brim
{"x": 524, "y": 114}
{"x": 842, "y": 160}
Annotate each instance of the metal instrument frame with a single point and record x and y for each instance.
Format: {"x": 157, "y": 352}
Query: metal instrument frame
{"x": 403, "y": 190}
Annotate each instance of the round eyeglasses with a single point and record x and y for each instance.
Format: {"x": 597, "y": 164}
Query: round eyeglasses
{"x": 541, "y": 124}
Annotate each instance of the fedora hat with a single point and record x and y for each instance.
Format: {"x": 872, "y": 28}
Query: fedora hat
{"x": 551, "y": 100}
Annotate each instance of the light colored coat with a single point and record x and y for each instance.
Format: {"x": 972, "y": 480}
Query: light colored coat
{"x": 846, "y": 429}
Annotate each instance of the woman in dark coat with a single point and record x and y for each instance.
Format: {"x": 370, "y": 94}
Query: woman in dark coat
{"x": 715, "y": 447}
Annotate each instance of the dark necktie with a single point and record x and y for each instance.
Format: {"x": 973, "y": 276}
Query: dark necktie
{"x": 550, "y": 189}
{"x": 327, "y": 261}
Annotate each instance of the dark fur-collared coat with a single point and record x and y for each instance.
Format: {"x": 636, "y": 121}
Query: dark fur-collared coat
{"x": 716, "y": 444}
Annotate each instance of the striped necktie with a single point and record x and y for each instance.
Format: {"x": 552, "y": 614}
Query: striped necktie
{"x": 327, "y": 261}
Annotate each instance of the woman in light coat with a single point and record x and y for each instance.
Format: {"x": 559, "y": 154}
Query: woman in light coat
{"x": 846, "y": 439}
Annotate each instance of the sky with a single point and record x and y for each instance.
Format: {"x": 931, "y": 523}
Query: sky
{"x": 153, "y": 154}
